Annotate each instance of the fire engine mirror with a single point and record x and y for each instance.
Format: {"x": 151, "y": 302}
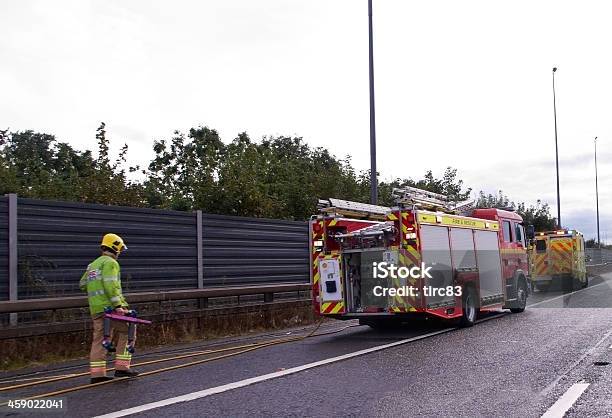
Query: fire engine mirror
{"x": 330, "y": 286}
{"x": 530, "y": 231}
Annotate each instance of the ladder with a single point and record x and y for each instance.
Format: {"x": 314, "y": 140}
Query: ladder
{"x": 405, "y": 196}
{"x": 369, "y": 231}
{"x": 333, "y": 206}
{"x": 413, "y": 196}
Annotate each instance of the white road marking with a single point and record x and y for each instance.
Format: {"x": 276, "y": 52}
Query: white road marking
{"x": 565, "y": 402}
{"x": 246, "y": 382}
{"x": 568, "y": 369}
{"x": 567, "y": 294}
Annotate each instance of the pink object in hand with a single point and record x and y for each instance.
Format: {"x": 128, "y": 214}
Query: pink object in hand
{"x": 124, "y": 318}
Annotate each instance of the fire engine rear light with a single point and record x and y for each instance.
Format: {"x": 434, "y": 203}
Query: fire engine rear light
{"x": 560, "y": 232}
{"x": 318, "y": 243}
{"x": 411, "y": 235}
{"x": 438, "y": 219}
{"x": 487, "y": 225}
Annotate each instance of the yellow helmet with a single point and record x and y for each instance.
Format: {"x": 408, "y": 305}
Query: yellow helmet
{"x": 114, "y": 242}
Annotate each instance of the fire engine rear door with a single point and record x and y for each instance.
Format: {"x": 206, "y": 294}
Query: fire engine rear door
{"x": 489, "y": 267}
{"x": 436, "y": 253}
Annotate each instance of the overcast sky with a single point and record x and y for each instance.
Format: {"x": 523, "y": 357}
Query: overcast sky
{"x": 466, "y": 84}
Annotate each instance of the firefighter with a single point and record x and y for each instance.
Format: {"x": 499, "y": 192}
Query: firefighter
{"x": 102, "y": 283}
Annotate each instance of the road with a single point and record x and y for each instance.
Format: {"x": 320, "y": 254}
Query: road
{"x": 515, "y": 365}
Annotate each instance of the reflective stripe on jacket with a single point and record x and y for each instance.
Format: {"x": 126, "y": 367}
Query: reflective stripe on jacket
{"x": 102, "y": 282}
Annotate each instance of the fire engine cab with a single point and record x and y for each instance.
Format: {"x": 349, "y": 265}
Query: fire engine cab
{"x": 473, "y": 263}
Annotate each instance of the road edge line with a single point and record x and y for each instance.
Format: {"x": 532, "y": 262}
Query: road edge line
{"x": 250, "y": 381}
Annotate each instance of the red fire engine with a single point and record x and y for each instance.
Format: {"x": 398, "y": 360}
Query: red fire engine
{"x": 475, "y": 263}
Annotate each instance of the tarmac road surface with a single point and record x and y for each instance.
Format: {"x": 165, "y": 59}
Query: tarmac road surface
{"x": 550, "y": 358}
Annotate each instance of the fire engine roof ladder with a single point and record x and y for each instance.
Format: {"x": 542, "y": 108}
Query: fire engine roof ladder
{"x": 370, "y": 231}
{"x": 352, "y": 209}
{"x": 413, "y": 196}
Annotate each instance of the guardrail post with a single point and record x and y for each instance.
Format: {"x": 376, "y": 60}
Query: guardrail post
{"x": 199, "y": 246}
{"x": 12, "y": 252}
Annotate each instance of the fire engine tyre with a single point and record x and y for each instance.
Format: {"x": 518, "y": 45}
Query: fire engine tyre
{"x": 470, "y": 308}
{"x": 521, "y": 297}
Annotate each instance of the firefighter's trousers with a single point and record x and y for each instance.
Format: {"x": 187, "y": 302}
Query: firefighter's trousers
{"x": 97, "y": 355}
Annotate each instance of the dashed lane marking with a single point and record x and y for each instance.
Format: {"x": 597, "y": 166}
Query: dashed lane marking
{"x": 565, "y": 402}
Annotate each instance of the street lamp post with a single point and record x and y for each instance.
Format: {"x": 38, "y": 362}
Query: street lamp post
{"x": 556, "y": 150}
{"x": 373, "y": 176}
{"x": 597, "y": 195}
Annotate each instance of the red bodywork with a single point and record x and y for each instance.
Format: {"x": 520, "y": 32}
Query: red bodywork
{"x": 512, "y": 253}
{"x": 320, "y": 230}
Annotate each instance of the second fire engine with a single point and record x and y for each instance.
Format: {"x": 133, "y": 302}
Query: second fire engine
{"x": 558, "y": 256}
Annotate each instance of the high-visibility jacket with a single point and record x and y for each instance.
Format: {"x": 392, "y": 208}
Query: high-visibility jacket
{"x": 102, "y": 282}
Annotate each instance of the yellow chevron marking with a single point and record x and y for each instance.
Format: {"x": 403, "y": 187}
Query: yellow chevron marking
{"x": 403, "y": 259}
{"x": 338, "y": 308}
{"x": 413, "y": 252}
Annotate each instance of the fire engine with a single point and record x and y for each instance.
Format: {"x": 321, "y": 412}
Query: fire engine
{"x": 482, "y": 258}
{"x": 558, "y": 256}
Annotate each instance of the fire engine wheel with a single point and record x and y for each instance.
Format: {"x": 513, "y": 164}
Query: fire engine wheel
{"x": 470, "y": 310}
{"x": 521, "y": 297}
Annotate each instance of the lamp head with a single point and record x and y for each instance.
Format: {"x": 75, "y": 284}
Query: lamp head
{"x": 554, "y": 69}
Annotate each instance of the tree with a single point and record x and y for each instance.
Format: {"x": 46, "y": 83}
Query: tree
{"x": 37, "y": 165}
{"x": 537, "y": 215}
{"x": 276, "y": 177}
{"x": 183, "y": 174}
{"x": 499, "y": 201}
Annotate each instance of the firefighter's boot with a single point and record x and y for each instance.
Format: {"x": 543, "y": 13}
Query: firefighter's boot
{"x": 100, "y": 379}
{"x": 126, "y": 373}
